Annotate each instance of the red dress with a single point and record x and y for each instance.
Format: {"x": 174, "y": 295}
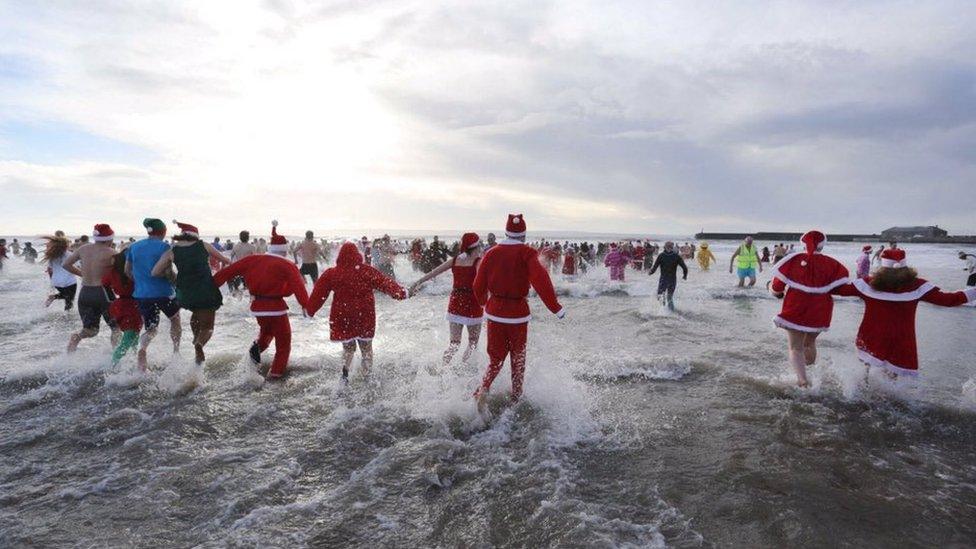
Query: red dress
{"x": 886, "y": 337}
{"x": 353, "y": 314}
{"x": 808, "y": 306}
{"x": 463, "y": 308}
{"x": 124, "y": 309}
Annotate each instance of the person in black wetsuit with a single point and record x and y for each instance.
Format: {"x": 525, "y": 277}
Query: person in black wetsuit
{"x": 668, "y": 261}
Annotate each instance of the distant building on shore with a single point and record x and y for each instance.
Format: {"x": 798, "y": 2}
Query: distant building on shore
{"x": 908, "y": 233}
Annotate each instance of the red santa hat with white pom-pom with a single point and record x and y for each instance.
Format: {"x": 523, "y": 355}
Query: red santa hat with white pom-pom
{"x": 515, "y": 228}
{"x": 187, "y": 229}
{"x": 103, "y": 233}
{"x": 469, "y": 241}
{"x": 893, "y": 258}
{"x": 278, "y": 244}
{"x": 814, "y": 241}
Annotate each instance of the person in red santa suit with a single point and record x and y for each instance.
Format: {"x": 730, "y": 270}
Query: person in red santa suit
{"x": 886, "y": 338}
{"x": 462, "y": 309}
{"x": 501, "y": 287}
{"x": 352, "y": 319}
{"x": 270, "y": 278}
{"x": 804, "y": 282}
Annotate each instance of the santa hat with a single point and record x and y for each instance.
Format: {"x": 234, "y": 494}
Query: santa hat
{"x": 103, "y": 233}
{"x": 187, "y": 229}
{"x": 814, "y": 241}
{"x": 867, "y": 248}
{"x": 468, "y": 241}
{"x": 515, "y": 228}
{"x": 893, "y": 258}
{"x": 278, "y": 244}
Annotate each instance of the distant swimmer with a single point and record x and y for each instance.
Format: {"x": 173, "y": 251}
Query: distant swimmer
{"x": 463, "y": 309}
{"x": 30, "y": 253}
{"x": 616, "y": 261}
{"x": 195, "y": 288}
{"x": 93, "y": 300}
{"x": 804, "y": 282}
{"x": 705, "y": 257}
{"x": 310, "y": 252}
{"x": 65, "y": 283}
{"x": 668, "y": 262}
{"x": 15, "y": 247}
{"x": 765, "y": 254}
{"x": 864, "y": 262}
{"x": 270, "y": 278}
{"x": 970, "y": 268}
{"x": 124, "y": 309}
{"x": 779, "y": 252}
{"x": 747, "y": 264}
{"x": 352, "y": 318}
{"x": 501, "y": 287}
{"x": 239, "y": 251}
{"x": 886, "y": 337}
{"x": 3, "y": 252}
{"x": 154, "y": 294}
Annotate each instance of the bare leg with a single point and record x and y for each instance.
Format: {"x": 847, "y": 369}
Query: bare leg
{"x": 474, "y": 334}
{"x": 116, "y": 337}
{"x": 455, "y": 342}
{"x": 175, "y": 331}
{"x": 348, "y": 350}
{"x": 201, "y": 324}
{"x": 366, "y": 350}
{"x": 76, "y": 338}
{"x": 797, "y": 359}
{"x": 752, "y": 282}
{"x": 810, "y": 348}
{"x": 144, "y": 340}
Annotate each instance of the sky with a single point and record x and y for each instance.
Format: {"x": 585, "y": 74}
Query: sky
{"x": 635, "y": 117}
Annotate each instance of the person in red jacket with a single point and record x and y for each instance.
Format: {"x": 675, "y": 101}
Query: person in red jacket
{"x": 808, "y": 306}
{"x": 270, "y": 278}
{"x": 501, "y": 287}
{"x": 124, "y": 310}
{"x": 352, "y": 319}
{"x": 886, "y": 338}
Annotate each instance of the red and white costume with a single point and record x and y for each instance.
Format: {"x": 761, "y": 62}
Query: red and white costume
{"x": 809, "y": 277}
{"x": 886, "y": 338}
{"x": 124, "y": 310}
{"x": 463, "y": 308}
{"x": 353, "y": 314}
{"x": 502, "y": 285}
{"x": 270, "y": 279}
{"x": 569, "y": 263}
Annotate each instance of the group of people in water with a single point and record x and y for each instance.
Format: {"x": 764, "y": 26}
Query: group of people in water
{"x": 130, "y": 287}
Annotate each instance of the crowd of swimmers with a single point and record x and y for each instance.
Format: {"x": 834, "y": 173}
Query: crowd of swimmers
{"x": 132, "y": 285}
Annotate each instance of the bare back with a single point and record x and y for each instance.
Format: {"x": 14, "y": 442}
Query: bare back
{"x": 309, "y": 250}
{"x": 95, "y": 260}
{"x": 242, "y": 250}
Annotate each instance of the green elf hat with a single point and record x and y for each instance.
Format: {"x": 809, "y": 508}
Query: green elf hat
{"x": 154, "y": 226}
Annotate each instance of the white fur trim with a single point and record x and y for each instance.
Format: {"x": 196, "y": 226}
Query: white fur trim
{"x": 787, "y": 325}
{"x": 914, "y": 295}
{"x": 970, "y": 294}
{"x": 352, "y": 339}
{"x": 464, "y": 320}
{"x": 509, "y": 242}
{"x": 505, "y": 320}
{"x": 808, "y": 289}
{"x": 514, "y": 235}
{"x": 560, "y": 313}
{"x": 278, "y": 248}
{"x": 872, "y": 360}
{"x": 274, "y": 222}
{"x": 891, "y": 263}
{"x": 269, "y": 313}
{"x": 107, "y": 238}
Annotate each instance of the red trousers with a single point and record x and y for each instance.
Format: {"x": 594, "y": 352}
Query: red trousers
{"x": 277, "y": 328}
{"x": 505, "y": 340}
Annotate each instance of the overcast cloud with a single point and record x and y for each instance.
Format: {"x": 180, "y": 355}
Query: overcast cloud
{"x": 638, "y": 117}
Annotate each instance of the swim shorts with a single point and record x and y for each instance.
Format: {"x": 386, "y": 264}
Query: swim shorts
{"x": 93, "y": 303}
{"x": 748, "y": 272}
{"x": 150, "y": 308}
{"x": 310, "y": 269}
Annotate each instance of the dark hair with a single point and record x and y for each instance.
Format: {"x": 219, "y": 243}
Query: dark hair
{"x": 84, "y": 238}
{"x": 309, "y": 234}
{"x": 245, "y": 236}
{"x": 118, "y": 264}
{"x": 890, "y": 279}
{"x": 183, "y": 237}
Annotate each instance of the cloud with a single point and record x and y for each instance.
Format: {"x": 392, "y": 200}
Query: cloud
{"x": 617, "y": 116}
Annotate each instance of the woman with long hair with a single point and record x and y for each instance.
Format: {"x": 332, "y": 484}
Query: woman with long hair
{"x": 804, "y": 282}
{"x": 124, "y": 310}
{"x": 462, "y": 309}
{"x": 65, "y": 284}
{"x": 195, "y": 288}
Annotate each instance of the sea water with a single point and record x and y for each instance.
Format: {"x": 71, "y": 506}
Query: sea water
{"x": 639, "y": 427}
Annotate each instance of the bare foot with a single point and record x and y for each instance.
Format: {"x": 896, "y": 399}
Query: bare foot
{"x": 200, "y": 357}
{"x": 482, "y": 401}
{"x": 73, "y": 343}
{"x": 49, "y": 301}
{"x": 803, "y": 383}
{"x": 142, "y": 360}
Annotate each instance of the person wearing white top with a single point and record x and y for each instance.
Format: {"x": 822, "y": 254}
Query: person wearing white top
{"x": 65, "y": 284}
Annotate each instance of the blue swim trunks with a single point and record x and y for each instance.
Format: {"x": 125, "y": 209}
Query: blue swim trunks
{"x": 748, "y": 272}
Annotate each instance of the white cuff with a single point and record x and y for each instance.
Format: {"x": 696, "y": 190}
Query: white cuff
{"x": 561, "y": 313}
{"x": 970, "y": 294}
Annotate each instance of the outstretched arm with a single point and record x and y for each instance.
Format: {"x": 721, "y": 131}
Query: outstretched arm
{"x": 480, "y": 284}
{"x": 950, "y": 299}
{"x": 161, "y": 268}
{"x": 431, "y": 275}
{"x": 234, "y": 269}
{"x": 320, "y": 293}
{"x": 297, "y": 286}
{"x": 386, "y": 284}
{"x": 539, "y": 278}
{"x": 216, "y": 255}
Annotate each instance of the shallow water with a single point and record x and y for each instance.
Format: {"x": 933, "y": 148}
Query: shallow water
{"x": 639, "y": 428}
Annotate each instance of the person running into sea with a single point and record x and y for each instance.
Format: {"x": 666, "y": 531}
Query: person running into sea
{"x": 804, "y": 282}
{"x": 3, "y": 252}
{"x": 886, "y": 338}
{"x": 124, "y": 309}
{"x": 779, "y": 252}
{"x": 239, "y": 251}
{"x": 668, "y": 261}
{"x": 352, "y": 319}
{"x": 65, "y": 284}
{"x": 571, "y": 263}
{"x": 15, "y": 247}
{"x": 748, "y": 262}
{"x": 270, "y": 278}
{"x": 706, "y": 257}
{"x": 93, "y": 299}
{"x": 310, "y": 252}
{"x": 195, "y": 288}
{"x": 501, "y": 287}
{"x": 30, "y": 253}
{"x": 463, "y": 309}
{"x": 970, "y": 267}
{"x": 616, "y": 261}
{"x": 864, "y": 262}
{"x": 154, "y": 294}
